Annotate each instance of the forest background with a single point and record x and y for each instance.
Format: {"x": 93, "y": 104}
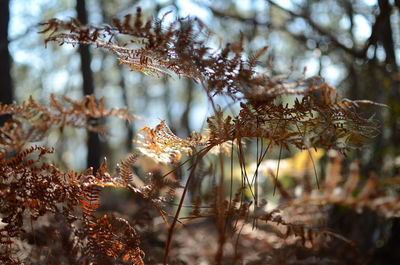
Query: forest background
{"x": 353, "y": 45}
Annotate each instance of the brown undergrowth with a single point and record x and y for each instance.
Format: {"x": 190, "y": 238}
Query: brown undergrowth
{"x": 72, "y": 227}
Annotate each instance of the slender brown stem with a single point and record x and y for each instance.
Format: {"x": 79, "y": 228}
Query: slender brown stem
{"x": 221, "y": 211}
{"x": 185, "y": 189}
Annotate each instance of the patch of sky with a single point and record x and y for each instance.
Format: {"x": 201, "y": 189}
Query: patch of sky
{"x": 395, "y": 19}
{"x": 370, "y": 2}
{"x": 344, "y": 22}
{"x": 198, "y": 116}
{"x": 96, "y": 63}
{"x": 57, "y": 81}
{"x": 94, "y": 12}
{"x": 312, "y": 66}
{"x": 156, "y": 113}
{"x": 322, "y": 18}
{"x": 298, "y": 25}
{"x": 284, "y": 3}
{"x": 362, "y": 29}
{"x": 117, "y": 131}
{"x": 21, "y": 16}
{"x": 380, "y": 53}
{"x": 190, "y": 8}
{"x": 252, "y": 7}
{"x": 258, "y": 43}
{"x": 344, "y": 39}
{"x": 244, "y": 4}
{"x": 333, "y": 74}
{"x": 168, "y": 18}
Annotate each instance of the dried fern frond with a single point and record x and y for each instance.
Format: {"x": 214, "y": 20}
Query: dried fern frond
{"x": 148, "y": 50}
{"x": 33, "y": 188}
{"x": 152, "y": 48}
{"x": 117, "y": 239}
{"x": 164, "y": 146}
{"x": 40, "y": 118}
{"x": 88, "y": 107}
{"x": 347, "y": 194}
{"x": 317, "y": 119}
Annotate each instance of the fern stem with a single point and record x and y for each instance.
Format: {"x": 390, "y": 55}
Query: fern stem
{"x": 221, "y": 223}
{"x": 185, "y": 189}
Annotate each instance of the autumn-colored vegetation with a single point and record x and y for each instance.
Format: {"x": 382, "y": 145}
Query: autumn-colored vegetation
{"x": 297, "y": 229}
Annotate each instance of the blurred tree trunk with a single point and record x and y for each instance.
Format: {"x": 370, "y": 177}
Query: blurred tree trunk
{"x": 93, "y": 142}
{"x": 385, "y": 38}
{"x": 6, "y": 93}
{"x": 124, "y": 89}
{"x": 383, "y": 87}
{"x": 185, "y": 119}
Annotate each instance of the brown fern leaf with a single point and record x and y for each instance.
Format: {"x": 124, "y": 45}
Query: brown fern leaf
{"x": 315, "y": 121}
{"x": 32, "y": 188}
{"x": 318, "y": 120}
{"x": 91, "y": 199}
{"x": 348, "y": 194}
{"x": 316, "y": 117}
{"x": 159, "y": 50}
{"x": 163, "y": 145}
{"x": 116, "y": 239}
{"x": 137, "y": 59}
{"x": 88, "y": 107}
{"x": 92, "y": 184}
{"x": 125, "y": 172}
{"x": 159, "y": 188}
{"x": 40, "y": 118}
{"x": 102, "y": 240}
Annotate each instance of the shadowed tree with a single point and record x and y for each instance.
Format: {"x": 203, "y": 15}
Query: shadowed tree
{"x": 93, "y": 141}
{"x": 6, "y": 94}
